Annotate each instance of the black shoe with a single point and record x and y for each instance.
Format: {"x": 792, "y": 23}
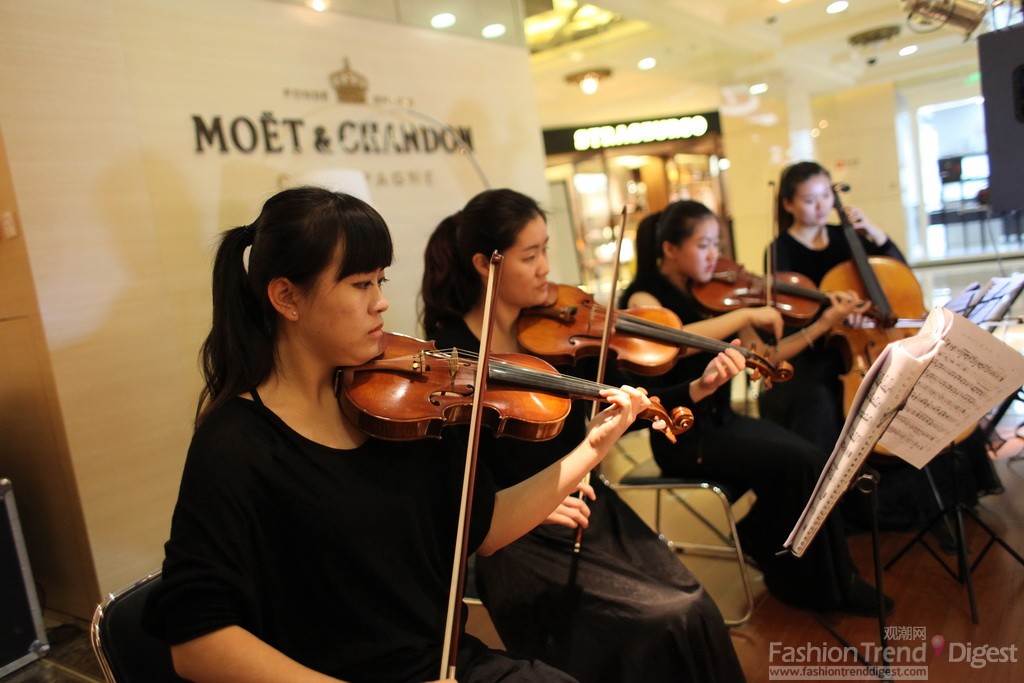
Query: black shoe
{"x": 862, "y": 599}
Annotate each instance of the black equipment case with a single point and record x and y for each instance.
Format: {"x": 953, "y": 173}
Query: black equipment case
{"x": 22, "y": 636}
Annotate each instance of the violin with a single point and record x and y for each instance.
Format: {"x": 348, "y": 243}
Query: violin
{"x": 732, "y": 286}
{"x": 646, "y": 339}
{"x": 413, "y": 390}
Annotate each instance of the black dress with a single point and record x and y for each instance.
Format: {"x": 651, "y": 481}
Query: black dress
{"x": 632, "y": 613}
{"x": 811, "y": 403}
{"x": 340, "y": 559}
{"x": 781, "y": 467}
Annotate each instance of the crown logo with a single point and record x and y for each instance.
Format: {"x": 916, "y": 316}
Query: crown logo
{"x": 350, "y": 86}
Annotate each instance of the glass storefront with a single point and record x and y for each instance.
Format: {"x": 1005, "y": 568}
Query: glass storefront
{"x": 643, "y": 177}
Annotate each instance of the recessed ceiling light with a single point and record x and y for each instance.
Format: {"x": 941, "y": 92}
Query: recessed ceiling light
{"x": 493, "y": 31}
{"x": 837, "y": 7}
{"x": 758, "y": 88}
{"x": 318, "y": 5}
{"x": 647, "y": 63}
{"x": 908, "y": 50}
{"x": 443, "y": 20}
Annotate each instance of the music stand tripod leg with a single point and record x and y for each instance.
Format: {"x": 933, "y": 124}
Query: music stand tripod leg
{"x": 961, "y": 547}
{"x": 866, "y": 483}
{"x": 963, "y": 575}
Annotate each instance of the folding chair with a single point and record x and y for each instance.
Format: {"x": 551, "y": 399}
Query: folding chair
{"x": 126, "y": 653}
{"x": 645, "y": 475}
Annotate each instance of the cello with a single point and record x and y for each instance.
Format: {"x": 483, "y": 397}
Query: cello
{"x": 895, "y": 295}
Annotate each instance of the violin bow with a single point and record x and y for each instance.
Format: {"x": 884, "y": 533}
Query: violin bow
{"x": 769, "y": 291}
{"x": 449, "y": 652}
{"x": 770, "y": 265}
{"x": 606, "y": 332}
{"x": 602, "y": 362}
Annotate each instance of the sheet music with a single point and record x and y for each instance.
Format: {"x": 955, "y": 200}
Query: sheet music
{"x": 995, "y": 301}
{"x": 917, "y": 397}
{"x": 972, "y": 372}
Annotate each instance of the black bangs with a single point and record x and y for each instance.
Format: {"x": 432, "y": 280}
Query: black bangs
{"x": 366, "y": 241}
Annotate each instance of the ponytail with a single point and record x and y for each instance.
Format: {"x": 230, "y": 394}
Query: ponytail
{"x": 450, "y": 284}
{"x": 241, "y": 340}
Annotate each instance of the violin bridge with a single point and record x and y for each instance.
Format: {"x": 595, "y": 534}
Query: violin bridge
{"x": 453, "y": 364}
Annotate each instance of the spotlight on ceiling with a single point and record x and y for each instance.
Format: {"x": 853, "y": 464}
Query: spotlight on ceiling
{"x": 588, "y": 80}
{"x": 867, "y": 43}
{"x": 934, "y": 14}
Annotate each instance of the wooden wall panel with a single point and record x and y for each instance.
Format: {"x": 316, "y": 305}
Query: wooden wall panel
{"x": 34, "y": 453}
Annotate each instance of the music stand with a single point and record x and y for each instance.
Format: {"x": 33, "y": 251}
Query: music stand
{"x": 963, "y": 573}
{"x": 866, "y": 482}
{"x": 987, "y": 306}
{"x": 983, "y": 306}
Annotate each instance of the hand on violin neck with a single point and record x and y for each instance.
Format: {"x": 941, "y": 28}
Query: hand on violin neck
{"x": 844, "y": 305}
{"x": 765, "y": 318}
{"x": 722, "y": 368}
{"x": 625, "y": 404}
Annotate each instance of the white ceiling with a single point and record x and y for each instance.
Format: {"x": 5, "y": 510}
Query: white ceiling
{"x": 709, "y": 52}
{"x": 708, "y": 48}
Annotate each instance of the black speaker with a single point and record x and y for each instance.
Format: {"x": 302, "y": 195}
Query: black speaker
{"x": 22, "y": 637}
{"x": 1001, "y": 57}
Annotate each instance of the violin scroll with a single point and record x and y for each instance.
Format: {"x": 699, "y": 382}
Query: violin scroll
{"x": 680, "y": 419}
{"x": 782, "y": 371}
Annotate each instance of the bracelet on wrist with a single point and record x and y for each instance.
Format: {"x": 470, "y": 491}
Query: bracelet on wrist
{"x": 807, "y": 337}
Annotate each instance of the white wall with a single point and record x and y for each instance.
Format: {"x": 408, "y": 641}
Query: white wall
{"x": 120, "y": 213}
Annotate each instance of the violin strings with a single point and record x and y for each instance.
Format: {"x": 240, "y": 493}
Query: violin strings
{"x": 530, "y": 377}
{"x": 656, "y": 330}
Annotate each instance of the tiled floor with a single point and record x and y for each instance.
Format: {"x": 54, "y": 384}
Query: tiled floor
{"x": 70, "y": 660}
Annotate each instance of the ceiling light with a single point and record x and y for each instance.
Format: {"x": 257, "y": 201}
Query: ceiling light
{"x": 908, "y": 50}
{"x": 866, "y": 42}
{"x": 443, "y": 20}
{"x": 874, "y": 35}
{"x": 588, "y": 80}
{"x": 837, "y": 7}
{"x": 758, "y": 88}
{"x": 318, "y": 5}
{"x": 647, "y": 63}
{"x": 493, "y": 31}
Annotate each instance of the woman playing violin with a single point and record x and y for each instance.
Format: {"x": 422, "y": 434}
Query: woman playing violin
{"x": 675, "y": 248}
{"x": 300, "y": 548}
{"x": 630, "y": 611}
{"x": 812, "y": 404}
